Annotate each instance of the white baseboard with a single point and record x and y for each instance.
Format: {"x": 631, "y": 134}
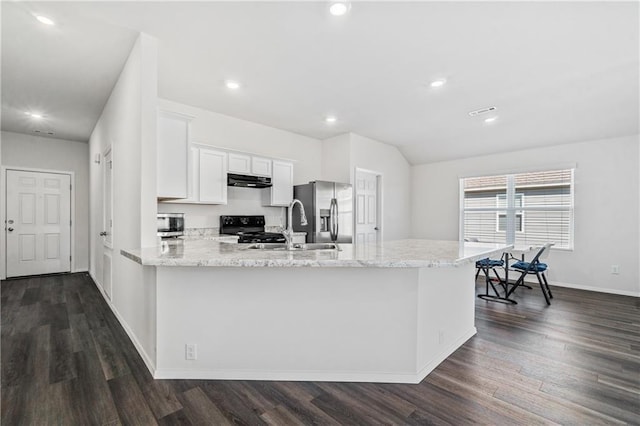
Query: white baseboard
{"x": 93, "y": 278}
{"x": 290, "y": 376}
{"x": 318, "y": 376}
{"x": 445, "y": 354}
{"x": 148, "y": 361}
{"x": 531, "y": 280}
{"x": 597, "y": 289}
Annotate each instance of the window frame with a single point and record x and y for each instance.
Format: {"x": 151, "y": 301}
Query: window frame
{"x": 510, "y": 188}
{"x": 517, "y": 213}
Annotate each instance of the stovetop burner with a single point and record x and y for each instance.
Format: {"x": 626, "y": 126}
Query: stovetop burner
{"x": 249, "y": 229}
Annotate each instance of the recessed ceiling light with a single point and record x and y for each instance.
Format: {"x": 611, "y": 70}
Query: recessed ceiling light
{"x": 33, "y": 114}
{"x": 490, "y": 120}
{"x": 330, "y": 119}
{"x": 45, "y": 20}
{"x": 231, "y": 84}
{"x": 438, "y": 83}
{"x": 339, "y": 8}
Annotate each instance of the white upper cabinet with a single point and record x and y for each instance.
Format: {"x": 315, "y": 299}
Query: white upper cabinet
{"x": 173, "y": 155}
{"x": 249, "y": 165}
{"x": 207, "y": 177}
{"x": 239, "y": 163}
{"x": 212, "y": 177}
{"x": 196, "y": 173}
{"x": 261, "y": 166}
{"x": 281, "y": 191}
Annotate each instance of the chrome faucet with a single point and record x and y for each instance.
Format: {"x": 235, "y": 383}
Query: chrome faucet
{"x": 288, "y": 233}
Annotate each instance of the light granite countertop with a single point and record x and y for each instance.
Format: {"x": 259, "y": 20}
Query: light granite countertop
{"x": 411, "y": 253}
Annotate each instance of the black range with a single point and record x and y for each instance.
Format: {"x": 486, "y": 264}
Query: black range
{"x": 249, "y": 229}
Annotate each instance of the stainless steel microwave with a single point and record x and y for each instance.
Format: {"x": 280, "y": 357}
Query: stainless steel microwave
{"x": 170, "y": 224}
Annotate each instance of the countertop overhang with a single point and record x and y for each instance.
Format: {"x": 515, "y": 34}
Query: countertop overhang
{"x": 408, "y": 253}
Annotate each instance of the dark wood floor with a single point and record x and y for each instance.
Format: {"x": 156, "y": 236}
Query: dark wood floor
{"x": 67, "y": 361}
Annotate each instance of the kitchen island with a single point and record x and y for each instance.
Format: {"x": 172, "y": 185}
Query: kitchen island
{"x": 375, "y": 313}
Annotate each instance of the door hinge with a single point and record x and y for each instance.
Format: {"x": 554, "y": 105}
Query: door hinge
{"x": 111, "y": 165}
{"x": 70, "y": 187}
{"x": 69, "y": 258}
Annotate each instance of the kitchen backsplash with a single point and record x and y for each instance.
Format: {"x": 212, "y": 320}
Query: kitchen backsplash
{"x": 201, "y": 232}
{"x": 240, "y": 201}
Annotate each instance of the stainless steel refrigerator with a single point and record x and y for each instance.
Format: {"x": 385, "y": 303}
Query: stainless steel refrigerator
{"x": 329, "y": 210}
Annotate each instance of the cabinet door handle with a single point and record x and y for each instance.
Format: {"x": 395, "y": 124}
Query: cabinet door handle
{"x": 103, "y": 234}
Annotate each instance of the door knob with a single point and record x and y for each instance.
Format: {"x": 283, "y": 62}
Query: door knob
{"x": 10, "y": 229}
{"x": 376, "y": 228}
{"x": 103, "y": 234}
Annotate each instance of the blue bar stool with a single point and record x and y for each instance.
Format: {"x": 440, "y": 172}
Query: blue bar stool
{"x": 534, "y": 267}
{"x": 486, "y": 266}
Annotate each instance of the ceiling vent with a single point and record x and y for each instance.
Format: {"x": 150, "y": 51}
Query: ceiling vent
{"x": 482, "y": 111}
{"x": 44, "y": 132}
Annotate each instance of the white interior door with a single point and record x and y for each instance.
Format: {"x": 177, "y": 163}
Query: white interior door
{"x": 107, "y": 204}
{"x": 367, "y": 220}
{"x": 107, "y": 222}
{"x": 38, "y": 223}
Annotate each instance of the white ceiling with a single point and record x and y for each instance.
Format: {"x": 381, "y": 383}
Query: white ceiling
{"x": 558, "y": 72}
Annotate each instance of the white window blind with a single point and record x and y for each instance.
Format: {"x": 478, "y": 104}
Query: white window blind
{"x": 522, "y": 209}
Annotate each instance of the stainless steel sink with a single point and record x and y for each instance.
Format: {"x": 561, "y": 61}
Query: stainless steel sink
{"x": 294, "y": 247}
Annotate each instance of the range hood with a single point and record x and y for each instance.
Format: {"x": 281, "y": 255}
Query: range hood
{"x": 248, "y": 181}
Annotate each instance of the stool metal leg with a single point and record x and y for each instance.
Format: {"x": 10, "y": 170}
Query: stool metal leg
{"x": 546, "y": 284}
{"x": 489, "y": 282}
{"x": 544, "y": 290}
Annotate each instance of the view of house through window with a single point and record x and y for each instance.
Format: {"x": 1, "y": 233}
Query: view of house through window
{"x": 522, "y": 209}
{"x": 502, "y": 215}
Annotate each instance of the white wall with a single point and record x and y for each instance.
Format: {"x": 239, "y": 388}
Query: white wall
{"x": 396, "y": 181}
{"x": 607, "y": 193}
{"x": 223, "y": 131}
{"x": 31, "y": 151}
{"x": 336, "y": 158}
{"x": 128, "y": 126}
{"x": 342, "y": 154}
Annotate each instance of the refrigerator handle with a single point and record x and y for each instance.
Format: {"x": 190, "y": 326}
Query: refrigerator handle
{"x": 333, "y": 220}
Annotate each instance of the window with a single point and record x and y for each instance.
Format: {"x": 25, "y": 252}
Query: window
{"x": 501, "y": 222}
{"x": 521, "y": 209}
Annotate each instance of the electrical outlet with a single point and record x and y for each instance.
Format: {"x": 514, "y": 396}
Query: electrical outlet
{"x": 615, "y": 269}
{"x": 190, "y": 351}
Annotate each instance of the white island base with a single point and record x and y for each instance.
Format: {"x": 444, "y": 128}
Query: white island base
{"x": 391, "y": 325}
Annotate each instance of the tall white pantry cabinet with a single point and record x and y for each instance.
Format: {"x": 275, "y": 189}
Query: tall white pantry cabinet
{"x": 173, "y": 155}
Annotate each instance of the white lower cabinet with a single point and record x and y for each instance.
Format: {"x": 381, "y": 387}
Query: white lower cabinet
{"x": 281, "y": 191}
